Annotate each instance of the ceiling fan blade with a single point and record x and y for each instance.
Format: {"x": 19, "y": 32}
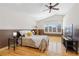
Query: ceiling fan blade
{"x": 47, "y": 6}
{"x": 55, "y": 8}
{"x": 50, "y": 11}
{"x": 45, "y": 9}
{"x": 55, "y": 4}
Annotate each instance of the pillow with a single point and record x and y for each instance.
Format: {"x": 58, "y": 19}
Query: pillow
{"x": 29, "y": 33}
{"x": 23, "y": 32}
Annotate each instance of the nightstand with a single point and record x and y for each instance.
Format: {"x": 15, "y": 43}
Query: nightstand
{"x": 12, "y": 42}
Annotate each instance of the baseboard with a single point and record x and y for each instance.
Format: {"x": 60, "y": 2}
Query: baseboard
{"x": 54, "y": 34}
{"x": 1, "y": 49}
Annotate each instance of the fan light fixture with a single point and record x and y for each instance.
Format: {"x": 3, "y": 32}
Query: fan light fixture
{"x": 51, "y": 7}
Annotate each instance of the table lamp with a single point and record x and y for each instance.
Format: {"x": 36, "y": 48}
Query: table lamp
{"x": 14, "y": 34}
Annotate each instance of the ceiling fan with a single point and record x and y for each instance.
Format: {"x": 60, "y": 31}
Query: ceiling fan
{"x": 51, "y": 7}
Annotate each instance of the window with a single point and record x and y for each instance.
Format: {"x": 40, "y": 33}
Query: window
{"x": 52, "y": 28}
{"x": 59, "y": 28}
{"x": 46, "y": 29}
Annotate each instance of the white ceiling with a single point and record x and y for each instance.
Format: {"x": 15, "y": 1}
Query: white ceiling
{"x": 36, "y": 9}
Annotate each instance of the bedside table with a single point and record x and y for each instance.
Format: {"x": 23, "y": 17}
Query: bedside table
{"x": 12, "y": 42}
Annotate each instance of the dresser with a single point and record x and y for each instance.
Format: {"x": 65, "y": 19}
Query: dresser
{"x": 70, "y": 45}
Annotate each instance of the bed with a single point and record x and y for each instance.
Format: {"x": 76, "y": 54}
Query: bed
{"x": 36, "y": 41}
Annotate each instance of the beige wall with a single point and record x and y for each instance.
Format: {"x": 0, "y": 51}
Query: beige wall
{"x": 56, "y": 19}
{"x": 72, "y": 17}
{"x": 15, "y": 20}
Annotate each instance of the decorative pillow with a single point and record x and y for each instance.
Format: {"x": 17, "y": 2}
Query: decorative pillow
{"x": 29, "y": 33}
{"x": 24, "y": 32}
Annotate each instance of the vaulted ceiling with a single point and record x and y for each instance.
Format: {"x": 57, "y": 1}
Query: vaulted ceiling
{"x": 36, "y": 9}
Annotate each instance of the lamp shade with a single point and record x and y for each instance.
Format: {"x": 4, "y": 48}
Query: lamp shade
{"x": 14, "y": 34}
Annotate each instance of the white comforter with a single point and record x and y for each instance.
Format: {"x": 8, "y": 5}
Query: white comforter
{"x": 38, "y": 38}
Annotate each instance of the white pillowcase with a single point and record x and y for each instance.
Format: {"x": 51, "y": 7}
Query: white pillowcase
{"x": 24, "y": 32}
